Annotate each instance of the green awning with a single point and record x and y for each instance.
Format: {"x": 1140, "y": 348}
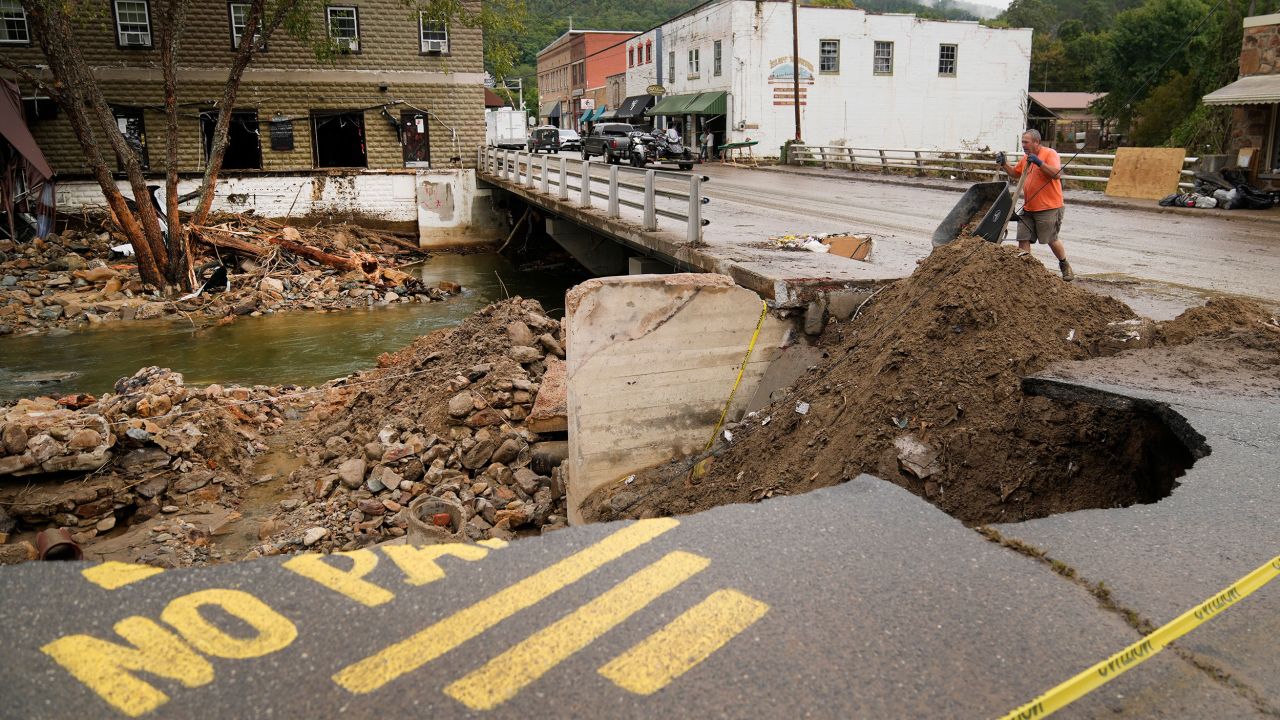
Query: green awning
{"x": 599, "y": 114}
{"x": 704, "y": 103}
{"x": 586, "y": 116}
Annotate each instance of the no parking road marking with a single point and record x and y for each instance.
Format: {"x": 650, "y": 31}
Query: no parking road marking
{"x": 177, "y": 648}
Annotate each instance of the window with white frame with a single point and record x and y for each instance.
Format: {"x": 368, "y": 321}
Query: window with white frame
{"x": 671, "y": 65}
{"x": 344, "y": 26}
{"x": 829, "y": 56}
{"x": 631, "y": 57}
{"x": 695, "y": 62}
{"x": 240, "y": 16}
{"x": 13, "y": 23}
{"x": 133, "y": 23}
{"x": 947, "y": 60}
{"x": 883, "y": 59}
{"x": 432, "y": 36}
{"x": 717, "y": 58}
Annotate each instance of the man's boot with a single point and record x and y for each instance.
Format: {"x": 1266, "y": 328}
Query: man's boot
{"x": 1065, "y": 267}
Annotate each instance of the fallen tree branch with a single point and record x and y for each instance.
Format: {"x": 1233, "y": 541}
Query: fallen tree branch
{"x": 221, "y": 239}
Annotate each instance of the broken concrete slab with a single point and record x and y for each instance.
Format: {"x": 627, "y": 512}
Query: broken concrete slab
{"x": 652, "y": 361}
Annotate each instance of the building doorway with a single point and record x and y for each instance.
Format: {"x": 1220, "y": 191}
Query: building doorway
{"x": 244, "y": 144}
{"x": 415, "y": 139}
{"x": 337, "y": 139}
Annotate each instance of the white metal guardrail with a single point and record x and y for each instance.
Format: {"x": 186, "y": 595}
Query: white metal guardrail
{"x": 1084, "y": 167}
{"x": 618, "y": 186}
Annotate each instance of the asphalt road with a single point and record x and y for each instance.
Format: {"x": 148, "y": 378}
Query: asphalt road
{"x": 856, "y": 601}
{"x": 1208, "y": 252}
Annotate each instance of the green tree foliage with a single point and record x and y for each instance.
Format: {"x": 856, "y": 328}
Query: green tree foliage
{"x": 1154, "y": 58}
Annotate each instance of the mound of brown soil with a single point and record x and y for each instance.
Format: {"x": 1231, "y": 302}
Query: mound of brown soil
{"x": 925, "y": 392}
{"x": 1219, "y": 316}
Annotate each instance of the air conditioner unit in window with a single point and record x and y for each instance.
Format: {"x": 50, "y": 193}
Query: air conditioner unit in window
{"x": 135, "y": 38}
{"x": 349, "y": 44}
{"x": 435, "y": 46}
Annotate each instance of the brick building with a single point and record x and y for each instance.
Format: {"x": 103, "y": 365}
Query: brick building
{"x": 1255, "y": 97}
{"x": 404, "y": 93}
{"x": 572, "y": 74}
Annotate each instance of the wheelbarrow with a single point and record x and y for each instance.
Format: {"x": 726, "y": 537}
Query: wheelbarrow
{"x": 994, "y": 224}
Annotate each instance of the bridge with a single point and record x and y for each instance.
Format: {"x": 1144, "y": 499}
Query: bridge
{"x": 648, "y": 215}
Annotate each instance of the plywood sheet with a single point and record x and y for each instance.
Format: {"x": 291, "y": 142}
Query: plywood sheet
{"x": 1146, "y": 173}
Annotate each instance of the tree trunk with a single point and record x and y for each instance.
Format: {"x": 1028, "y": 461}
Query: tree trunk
{"x": 75, "y": 80}
{"x": 244, "y": 53}
{"x": 180, "y": 271}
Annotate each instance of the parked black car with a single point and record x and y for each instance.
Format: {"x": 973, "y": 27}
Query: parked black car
{"x": 570, "y": 140}
{"x": 611, "y": 141}
{"x": 544, "y": 138}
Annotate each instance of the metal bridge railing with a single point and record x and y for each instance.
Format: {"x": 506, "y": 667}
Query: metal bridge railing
{"x": 617, "y": 186}
{"x": 1085, "y": 167}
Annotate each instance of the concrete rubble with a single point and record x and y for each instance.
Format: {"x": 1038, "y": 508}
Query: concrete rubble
{"x": 152, "y": 446}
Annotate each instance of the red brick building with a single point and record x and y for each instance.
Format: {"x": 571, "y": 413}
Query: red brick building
{"x": 573, "y": 72}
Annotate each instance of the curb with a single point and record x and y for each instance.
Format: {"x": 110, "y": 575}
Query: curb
{"x": 1088, "y": 202}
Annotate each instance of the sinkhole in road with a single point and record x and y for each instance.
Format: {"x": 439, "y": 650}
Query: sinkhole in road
{"x": 1054, "y": 455}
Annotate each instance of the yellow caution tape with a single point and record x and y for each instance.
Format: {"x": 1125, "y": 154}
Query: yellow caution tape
{"x": 764, "y": 310}
{"x": 1141, "y": 651}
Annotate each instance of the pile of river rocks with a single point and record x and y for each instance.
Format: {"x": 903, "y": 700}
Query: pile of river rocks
{"x": 73, "y": 281}
{"x": 455, "y": 431}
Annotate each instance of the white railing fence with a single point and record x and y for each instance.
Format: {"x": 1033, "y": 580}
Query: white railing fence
{"x": 567, "y": 179}
{"x": 1092, "y": 170}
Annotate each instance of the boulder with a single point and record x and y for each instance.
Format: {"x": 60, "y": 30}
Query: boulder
{"x": 352, "y": 472}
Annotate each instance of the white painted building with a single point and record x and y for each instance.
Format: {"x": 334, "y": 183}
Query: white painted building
{"x": 866, "y": 80}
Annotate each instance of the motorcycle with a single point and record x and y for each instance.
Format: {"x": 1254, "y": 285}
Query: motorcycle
{"x": 649, "y": 148}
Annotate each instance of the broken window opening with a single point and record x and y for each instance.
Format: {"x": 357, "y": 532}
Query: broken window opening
{"x": 337, "y": 139}
{"x": 129, "y": 123}
{"x": 244, "y": 143}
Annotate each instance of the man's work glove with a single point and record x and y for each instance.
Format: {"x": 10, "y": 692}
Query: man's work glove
{"x": 1035, "y": 159}
{"x": 1000, "y": 159}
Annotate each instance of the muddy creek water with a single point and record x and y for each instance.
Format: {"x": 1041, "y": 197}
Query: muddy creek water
{"x": 301, "y": 348}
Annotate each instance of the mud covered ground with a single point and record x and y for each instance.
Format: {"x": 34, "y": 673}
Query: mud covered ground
{"x": 923, "y": 390}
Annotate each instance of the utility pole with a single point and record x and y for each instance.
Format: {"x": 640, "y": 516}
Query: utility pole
{"x": 795, "y": 62}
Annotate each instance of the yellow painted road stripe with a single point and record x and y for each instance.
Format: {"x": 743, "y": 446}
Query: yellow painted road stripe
{"x": 426, "y": 645}
{"x": 504, "y": 676}
{"x": 114, "y": 575}
{"x": 688, "y": 640}
{"x": 1141, "y": 651}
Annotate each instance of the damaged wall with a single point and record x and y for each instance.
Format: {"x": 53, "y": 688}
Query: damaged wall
{"x": 651, "y": 360}
{"x": 286, "y": 80}
{"x": 445, "y": 216}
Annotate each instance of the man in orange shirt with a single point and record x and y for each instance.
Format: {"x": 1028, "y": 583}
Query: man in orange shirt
{"x": 1041, "y": 215}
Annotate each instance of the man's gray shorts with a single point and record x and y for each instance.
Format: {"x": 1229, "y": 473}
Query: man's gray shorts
{"x": 1040, "y": 226}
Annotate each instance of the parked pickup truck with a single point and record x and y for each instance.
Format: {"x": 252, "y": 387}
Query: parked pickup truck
{"x": 611, "y": 141}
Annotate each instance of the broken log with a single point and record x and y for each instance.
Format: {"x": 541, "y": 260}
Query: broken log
{"x": 290, "y": 239}
{"x": 219, "y": 239}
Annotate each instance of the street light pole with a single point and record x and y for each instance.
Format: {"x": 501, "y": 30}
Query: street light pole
{"x": 795, "y": 62}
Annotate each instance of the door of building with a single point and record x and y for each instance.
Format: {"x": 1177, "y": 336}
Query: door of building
{"x": 415, "y": 139}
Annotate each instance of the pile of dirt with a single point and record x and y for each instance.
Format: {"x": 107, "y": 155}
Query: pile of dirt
{"x": 99, "y": 467}
{"x": 445, "y": 417}
{"x": 1219, "y": 316}
{"x": 924, "y": 391}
